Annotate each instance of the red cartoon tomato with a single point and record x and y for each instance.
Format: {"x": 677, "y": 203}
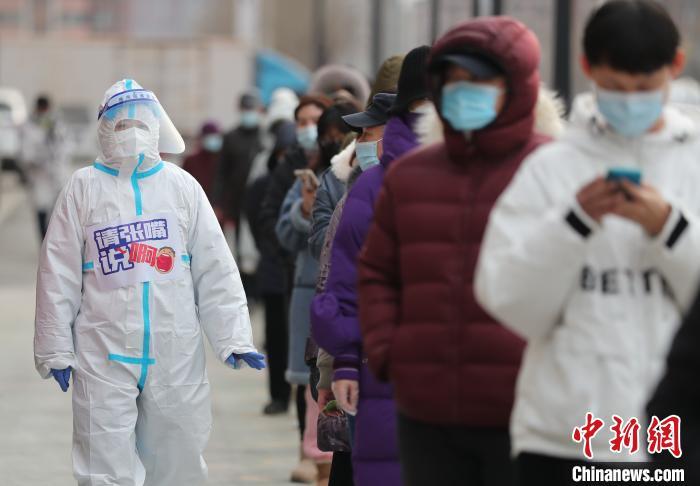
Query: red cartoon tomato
{"x": 165, "y": 259}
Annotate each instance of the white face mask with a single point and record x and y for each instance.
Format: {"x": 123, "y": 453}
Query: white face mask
{"x": 132, "y": 142}
{"x": 126, "y": 145}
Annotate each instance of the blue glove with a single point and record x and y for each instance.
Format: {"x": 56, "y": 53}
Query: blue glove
{"x": 254, "y": 360}
{"x": 62, "y": 377}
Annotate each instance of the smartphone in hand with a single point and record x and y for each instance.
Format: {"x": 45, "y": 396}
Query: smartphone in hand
{"x": 308, "y": 178}
{"x": 618, "y": 174}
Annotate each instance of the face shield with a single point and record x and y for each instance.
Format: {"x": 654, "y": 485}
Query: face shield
{"x": 131, "y": 122}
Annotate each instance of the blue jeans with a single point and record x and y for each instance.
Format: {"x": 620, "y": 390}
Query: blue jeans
{"x": 351, "y": 429}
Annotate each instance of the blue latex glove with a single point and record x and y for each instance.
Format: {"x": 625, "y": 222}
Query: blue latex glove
{"x": 254, "y": 360}
{"x": 62, "y": 377}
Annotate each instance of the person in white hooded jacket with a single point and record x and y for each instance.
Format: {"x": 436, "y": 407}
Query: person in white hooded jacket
{"x": 134, "y": 266}
{"x": 596, "y": 273}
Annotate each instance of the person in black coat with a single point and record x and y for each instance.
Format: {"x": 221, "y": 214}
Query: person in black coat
{"x": 240, "y": 147}
{"x": 271, "y": 277}
{"x": 299, "y": 156}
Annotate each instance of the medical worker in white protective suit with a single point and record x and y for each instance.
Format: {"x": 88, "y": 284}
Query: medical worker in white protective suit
{"x": 133, "y": 268}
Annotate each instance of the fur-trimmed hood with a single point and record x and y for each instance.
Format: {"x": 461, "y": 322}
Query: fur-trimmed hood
{"x": 549, "y": 119}
{"x": 341, "y": 163}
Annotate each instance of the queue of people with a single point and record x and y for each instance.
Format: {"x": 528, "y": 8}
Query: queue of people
{"x": 460, "y": 285}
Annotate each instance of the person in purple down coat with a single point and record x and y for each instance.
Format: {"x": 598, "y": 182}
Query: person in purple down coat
{"x": 334, "y": 314}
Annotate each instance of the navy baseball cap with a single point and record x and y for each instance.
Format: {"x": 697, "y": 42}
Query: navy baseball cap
{"x": 377, "y": 113}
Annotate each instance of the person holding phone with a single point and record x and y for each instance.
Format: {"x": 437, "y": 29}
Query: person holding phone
{"x": 594, "y": 266}
{"x": 309, "y": 185}
{"x": 292, "y": 231}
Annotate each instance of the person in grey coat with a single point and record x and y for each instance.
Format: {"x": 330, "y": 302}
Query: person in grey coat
{"x": 333, "y": 185}
{"x": 328, "y": 194}
{"x": 293, "y": 229}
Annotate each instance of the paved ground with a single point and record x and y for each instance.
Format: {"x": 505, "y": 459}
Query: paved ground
{"x": 35, "y": 418}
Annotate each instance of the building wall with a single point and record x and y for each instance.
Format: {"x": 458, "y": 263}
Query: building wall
{"x": 286, "y": 26}
{"x": 175, "y": 19}
{"x": 194, "y": 80}
{"x": 345, "y": 33}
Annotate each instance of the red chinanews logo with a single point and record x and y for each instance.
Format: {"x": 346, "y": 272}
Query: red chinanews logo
{"x": 662, "y": 435}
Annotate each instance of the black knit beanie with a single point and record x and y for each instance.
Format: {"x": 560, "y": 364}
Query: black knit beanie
{"x": 413, "y": 84}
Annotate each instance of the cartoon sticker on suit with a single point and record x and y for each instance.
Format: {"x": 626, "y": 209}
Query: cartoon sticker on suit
{"x": 138, "y": 249}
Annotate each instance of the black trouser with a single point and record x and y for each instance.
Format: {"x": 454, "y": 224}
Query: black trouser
{"x": 545, "y": 470}
{"x": 43, "y": 220}
{"x": 454, "y": 455}
{"x": 301, "y": 409}
{"x": 276, "y": 346}
{"x": 341, "y": 469}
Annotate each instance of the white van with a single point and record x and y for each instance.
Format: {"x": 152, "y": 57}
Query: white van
{"x": 13, "y": 114}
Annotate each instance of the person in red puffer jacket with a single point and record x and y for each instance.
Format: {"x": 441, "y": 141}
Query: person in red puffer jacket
{"x": 453, "y": 367}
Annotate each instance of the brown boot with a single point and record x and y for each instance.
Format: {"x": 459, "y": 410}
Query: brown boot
{"x": 324, "y": 474}
{"x": 305, "y": 472}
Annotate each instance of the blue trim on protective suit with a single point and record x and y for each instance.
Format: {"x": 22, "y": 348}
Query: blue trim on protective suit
{"x": 88, "y": 266}
{"x": 129, "y": 359}
{"x": 105, "y": 169}
{"x": 186, "y": 258}
{"x": 146, "y": 285}
{"x": 146, "y": 334}
{"x": 153, "y": 170}
{"x": 140, "y": 175}
{"x": 135, "y": 187}
{"x": 132, "y": 107}
{"x": 145, "y": 361}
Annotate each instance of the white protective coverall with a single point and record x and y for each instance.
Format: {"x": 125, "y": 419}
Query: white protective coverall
{"x": 597, "y": 303}
{"x": 133, "y": 268}
{"x": 44, "y": 157}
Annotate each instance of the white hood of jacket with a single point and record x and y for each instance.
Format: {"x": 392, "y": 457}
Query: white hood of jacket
{"x": 598, "y": 312}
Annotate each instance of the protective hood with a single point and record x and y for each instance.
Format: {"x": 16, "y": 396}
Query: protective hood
{"x": 515, "y": 49}
{"x": 150, "y": 132}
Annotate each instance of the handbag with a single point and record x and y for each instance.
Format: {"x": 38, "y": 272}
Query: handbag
{"x": 333, "y": 434}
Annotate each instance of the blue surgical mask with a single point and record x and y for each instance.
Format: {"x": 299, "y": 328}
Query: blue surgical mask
{"x": 306, "y": 136}
{"x": 469, "y": 106}
{"x": 212, "y": 142}
{"x": 250, "y": 119}
{"x": 630, "y": 114}
{"x": 366, "y": 153}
